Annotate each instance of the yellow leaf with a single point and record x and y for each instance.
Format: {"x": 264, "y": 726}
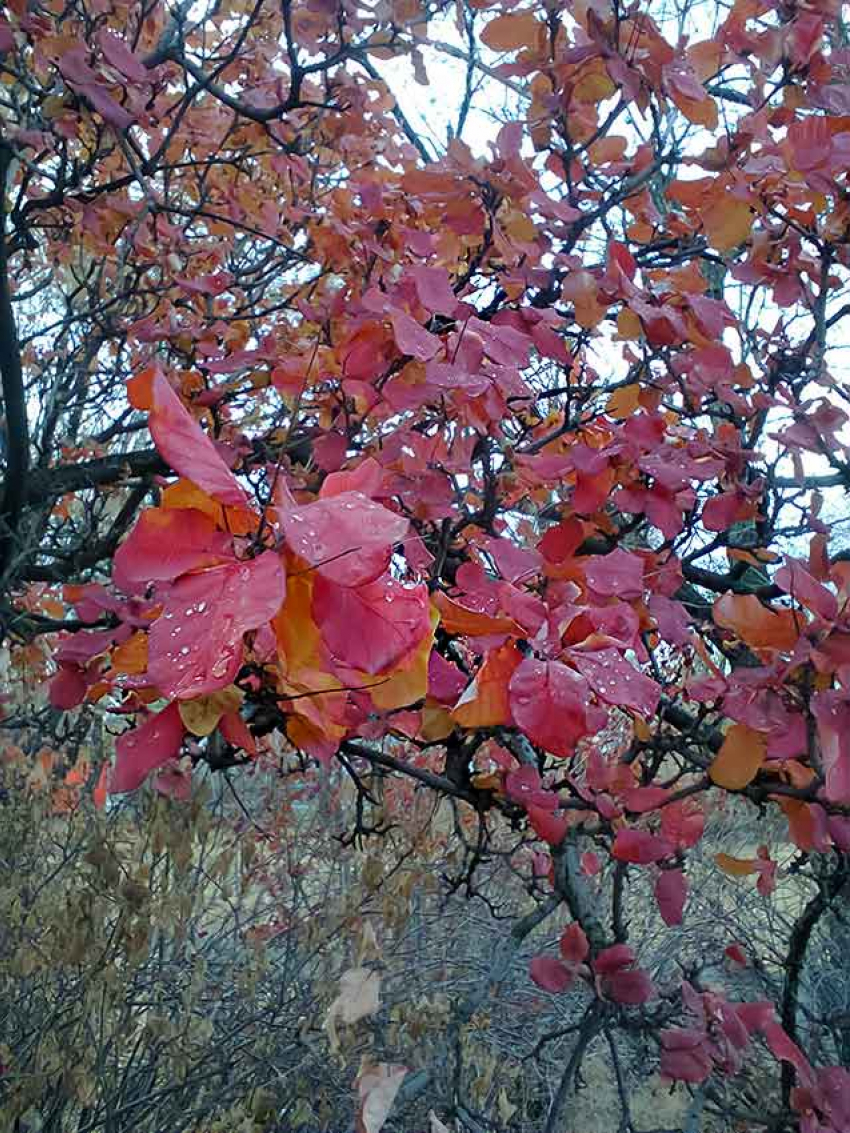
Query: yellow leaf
{"x": 629, "y": 325}
{"x": 519, "y": 226}
{"x": 436, "y": 724}
{"x": 739, "y": 759}
{"x": 185, "y": 494}
{"x": 512, "y": 31}
{"x": 594, "y": 84}
{"x": 409, "y": 684}
{"x": 201, "y": 715}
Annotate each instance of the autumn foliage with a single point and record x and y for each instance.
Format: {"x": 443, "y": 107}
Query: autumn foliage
{"x": 358, "y": 433}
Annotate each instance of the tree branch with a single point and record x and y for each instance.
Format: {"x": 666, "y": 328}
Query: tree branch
{"x": 14, "y": 397}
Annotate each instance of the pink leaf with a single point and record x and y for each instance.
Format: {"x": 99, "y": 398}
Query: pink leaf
{"x": 783, "y": 1048}
{"x": 145, "y": 748}
{"x": 433, "y": 287}
{"x": 639, "y": 800}
{"x": 549, "y": 973}
{"x": 118, "y": 55}
{"x": 413, "y": 339}
{"x": 682, "y": 823}
{"x": 671, "y": 890}
{"x": 365, "y": 478}
{"x": 195, "y": 645}
{"x": 831, "y": 710}
{"x": 617, "y": 682}
{"x": 187, "y": 448}
{"x": 445, "y": 681}
{"x": 619, "y": 574}
{"x": 795, "y": 579}
{"x": 112, "y": 112}
{"x": 377, "y": 1086}
{"x": 371, "y": 627}
{"x": 348, "y": 538}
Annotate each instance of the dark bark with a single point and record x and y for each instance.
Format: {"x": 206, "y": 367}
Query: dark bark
{"x": 14, "y": 398}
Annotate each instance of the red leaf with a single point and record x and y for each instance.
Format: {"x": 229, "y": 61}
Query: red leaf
{"x": 574, "y": 946}
{"x": 548, "y": 826}
{"x": 671, "y": 890}
{"x": 720, "y": 512}
{"x": 549, "y": 703}
{"x": 348, "y": 538}
{"x": 632, "y": 987}
{"x": 640, "y": 847}
{"x": 142, "y": 750}
{"x": 736, "y": 954}
{"x": 683, "y": 1057}
{"x": 187, "y": 448}
{"x": 682, "y": 823}
{"x": 236, "y": 732}
{"x": 613, "y": 959}
{"x": 524, "y": 786}
{"x": 373, "y": 627}
{"x": 67, "y": 688}
{"x": 549, "y": 973}
{"x": 195, "y": 645}
{"x": 165, "y": 543}
{"x": 782, "y": 1047}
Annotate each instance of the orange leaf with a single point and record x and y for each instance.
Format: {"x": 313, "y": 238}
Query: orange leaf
{"x": 511, "y": 31}
{"x": 736, "y": 867}
{"x": 486, "y": 704}
{"x": 727, "y": 223}
{"x": 624, "y": 402}
{"x": 455, "y": 618}
{"x": 140, "y": 389}
{"x": 739, "y": 759}
{"x": 131, "y": 657}
{"x": 757, "y": 625}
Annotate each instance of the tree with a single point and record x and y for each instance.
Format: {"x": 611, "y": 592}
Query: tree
{"x": 514, "y": 468}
